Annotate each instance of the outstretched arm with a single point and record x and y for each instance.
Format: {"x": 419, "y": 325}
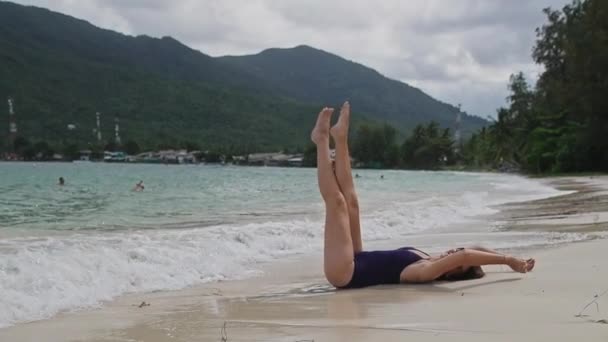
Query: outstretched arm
{"x": 430, "y": 270}
{"x": 483, "y": 249}
{"x": 477, "y": 248}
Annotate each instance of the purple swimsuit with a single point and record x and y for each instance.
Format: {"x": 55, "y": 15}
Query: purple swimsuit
{"x": 381, "y": 267}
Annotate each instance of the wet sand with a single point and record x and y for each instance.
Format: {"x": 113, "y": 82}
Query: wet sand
{"x": 293, "y": 302}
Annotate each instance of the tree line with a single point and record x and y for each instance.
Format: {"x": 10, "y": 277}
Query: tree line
{"x": 428, "y": 147}
{"x": 372, "y": 146}
{"x": 69, "y": 150}
{"x": 561, "y": 123}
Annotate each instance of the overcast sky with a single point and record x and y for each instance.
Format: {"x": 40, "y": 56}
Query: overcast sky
{"x": 458, "y": 51}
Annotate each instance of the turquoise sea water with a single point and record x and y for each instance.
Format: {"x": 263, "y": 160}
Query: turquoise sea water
{"x": 70, "y": 247}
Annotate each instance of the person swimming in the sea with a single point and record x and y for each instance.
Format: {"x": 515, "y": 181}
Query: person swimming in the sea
{"x": 346, "y": 264}
{"x": 139, "y": 186}
{"x": 61, "y": 181}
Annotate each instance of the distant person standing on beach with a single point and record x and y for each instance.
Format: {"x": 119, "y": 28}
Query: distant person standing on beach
{"x": 139, "y": 186}
{"x": 61, "y": 181}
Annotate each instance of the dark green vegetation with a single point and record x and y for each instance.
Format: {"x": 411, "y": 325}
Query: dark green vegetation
{"x": 377, "y": 146}
{"x": 61, "y": 70}
{"x": 560, "y": 125}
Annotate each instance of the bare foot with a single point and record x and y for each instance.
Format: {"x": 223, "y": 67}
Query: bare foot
{"x": 520, "y": 265}
{"x": 340, "y": 129}
{"x": 531, "y": 263}
{"x": 321, "y": 129}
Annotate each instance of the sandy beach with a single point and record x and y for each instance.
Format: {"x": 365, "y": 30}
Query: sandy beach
{"x": 293, "y": 302}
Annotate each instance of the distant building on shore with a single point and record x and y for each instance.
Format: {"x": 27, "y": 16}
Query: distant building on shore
{"x": 274, "y": 159}
{"x": 114, "y": 157}
{"x": 85, "y": 155}
{"x": 168, "y": 157}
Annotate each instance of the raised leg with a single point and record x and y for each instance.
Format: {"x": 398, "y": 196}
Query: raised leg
{"x": 345, "y": 177}
{"x": 338, "y": 251}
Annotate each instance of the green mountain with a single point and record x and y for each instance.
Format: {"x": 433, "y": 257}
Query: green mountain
{"x": 311, "y": 75}
{"x": 60, "y": 70}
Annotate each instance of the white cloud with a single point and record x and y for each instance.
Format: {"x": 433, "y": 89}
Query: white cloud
{"x": 457, "y": 51}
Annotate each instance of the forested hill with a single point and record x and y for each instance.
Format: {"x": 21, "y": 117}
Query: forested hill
{"x": 61, "y": 70}
{"x": 32, "y": 28}
{"x": 313, "y": 75}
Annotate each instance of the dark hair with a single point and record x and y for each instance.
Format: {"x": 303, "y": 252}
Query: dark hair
{"x": 473, "y": 272}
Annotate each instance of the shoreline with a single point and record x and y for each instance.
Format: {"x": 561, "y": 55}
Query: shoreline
{"x": 293, "y": 302}
{"x": 543, "y": 176}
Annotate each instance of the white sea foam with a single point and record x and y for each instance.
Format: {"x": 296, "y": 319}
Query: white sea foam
{"x": 41, "y": 276}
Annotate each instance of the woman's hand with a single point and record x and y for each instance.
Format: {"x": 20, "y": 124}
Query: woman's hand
{"x": 451, "y": 251}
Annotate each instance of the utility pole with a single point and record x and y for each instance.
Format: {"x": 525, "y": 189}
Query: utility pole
{"x": 457, "y": 133}
{"x": 98, "y": 116}
{"x": 117, "y": 131}
{"x": 12, "y": 128}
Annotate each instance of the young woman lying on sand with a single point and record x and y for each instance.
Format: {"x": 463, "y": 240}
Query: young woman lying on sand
{"x": 346, "y": 265}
